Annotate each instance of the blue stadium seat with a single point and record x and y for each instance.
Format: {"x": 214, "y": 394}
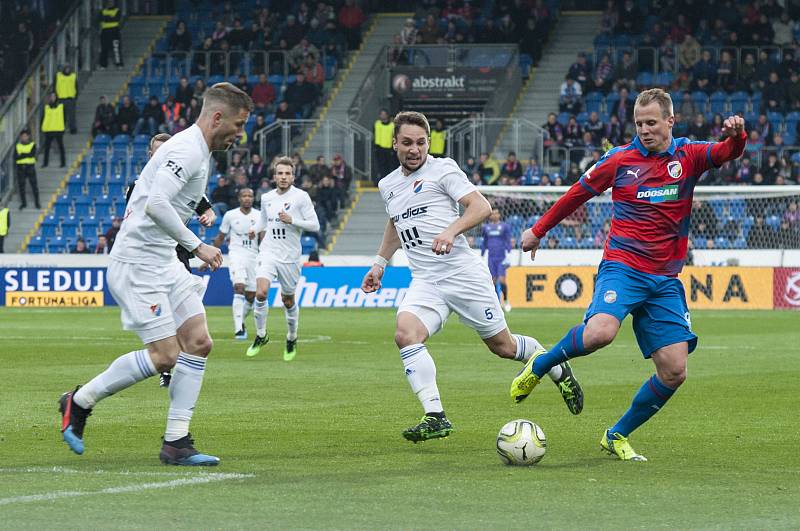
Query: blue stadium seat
{"x": 644, "y": 79}
{"x": 49, "y": 226}
{"x": 56, "y": 245}
{"x": 594, "y": 101}
{"x": 719, "y": 102}
{"x": 89, "y": 227}
{"x": 102, "y": 206}
{"x": 308, "y": 244}
{"x": 75, "y": 185}
{"x": 36, "y": 245}
{"x": 69, "y": 226}
{"x": 63, "y": 206}
{"x": 700, "y": 99}
{"x": 96, "y": 185}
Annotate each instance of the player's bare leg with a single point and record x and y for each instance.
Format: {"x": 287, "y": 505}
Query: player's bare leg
{"x": 260, "y": 313}
{"x": 410, "y": 336}
{"x": 187, "y": 380}
{"x": 525, "y": 349}
{"x": 292, "y": 312}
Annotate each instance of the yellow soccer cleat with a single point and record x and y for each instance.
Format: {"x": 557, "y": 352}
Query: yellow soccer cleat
{"x": 617, "y": 445}
{"x": 525, "y": 381}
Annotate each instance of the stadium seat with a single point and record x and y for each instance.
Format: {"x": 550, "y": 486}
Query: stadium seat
{"x": 96, "y": 185}
{"x": 63, "y": 206}
{"x": 49, "y": 227}
{"x": 75, "y": 185}
{"x": 56, "y": 245}
{"x": 36, "y": 245}
{"x": 308, "y": 244}
{"x": 102, "y": 206}
{"x": 90, "y": 227}
{"x": 719, "y": 102}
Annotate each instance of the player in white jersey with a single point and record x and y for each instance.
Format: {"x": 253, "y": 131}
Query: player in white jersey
{"x": 158, "y": 298}
{"x": 238, "y": 228}
{"x": 422, "y": 200}
{"x": 286, "y": 212}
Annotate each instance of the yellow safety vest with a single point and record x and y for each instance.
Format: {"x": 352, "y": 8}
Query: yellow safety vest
{"x": 25, "y": 149}
{"x": 437, "y": 142}
{"x": 3, "y": 221}
{"x": 53, "y": 121}
{"x": 66, "y": 85}
{"x": 110, "y": 18}
{"x": 384, "y": 134}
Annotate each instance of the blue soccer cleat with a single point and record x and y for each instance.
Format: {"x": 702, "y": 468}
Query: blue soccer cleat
{"x": 183, "y": 453}
{"x": 73, "y": 421}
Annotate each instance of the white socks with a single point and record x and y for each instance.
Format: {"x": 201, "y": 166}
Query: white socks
{"x": 187, "y": 379}
{"x": 526, "y": 346}
{"x": 122, "y": 373}
{"x": 260, "y": 311}
{"x": 421, "y": 373}
{"x": 238, "y": 311}
{"x": 292, "y": 319}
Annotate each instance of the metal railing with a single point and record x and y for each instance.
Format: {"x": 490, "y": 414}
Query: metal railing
{"x": 170, "y": 65}
{"x": 372, "y": 95}
{"x": 470, "y": 138}
{"x": 73, "y": 44}
{"x": 450, "y": 55}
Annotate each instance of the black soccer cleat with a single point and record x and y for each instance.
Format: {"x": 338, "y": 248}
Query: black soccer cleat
{"x": 183, "y": 453}
{"x": 164, "y": 379}
{"x": 291, "y": 350}
{"x": 430, "y": 427}
{"x": 73, "y": 421}
{"x": 570, "y": 389}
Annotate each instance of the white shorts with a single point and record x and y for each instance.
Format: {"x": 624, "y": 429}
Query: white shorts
{"x": 288, "y": 274}
{"x": 469, "y": 293}
{"x": 155, "y": 300}
{"x": 242, "y": 269}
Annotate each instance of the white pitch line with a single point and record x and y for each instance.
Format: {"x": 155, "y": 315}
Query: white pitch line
{"x": 64, "y": 470}
{"x": 50, "y": 496}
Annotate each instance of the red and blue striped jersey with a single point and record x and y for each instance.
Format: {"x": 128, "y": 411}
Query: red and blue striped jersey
{"x": 652, "y": 199}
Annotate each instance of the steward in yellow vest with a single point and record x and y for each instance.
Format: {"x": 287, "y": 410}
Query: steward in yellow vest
{"x": 53, "y": 128}
{"x": 110, "y": 37}
{"x": 438, "y": 138}
{"x": 383, "y": 132}
{"x": 5, "y": 224}
{"x": 67, "y": 92}
{"x": 25, "y": 160}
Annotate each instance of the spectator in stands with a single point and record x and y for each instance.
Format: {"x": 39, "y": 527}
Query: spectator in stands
{"x": 222, "y": 196}
{"x": 580, "y": 70}
{"x": 489, "y": 169}
{"x": 533, "y": 173}
{"x": 623, "y": 108}
{"x": 706, "y": 68}
{"x": 80, "y": 247}
{"x": 337, "y": 44}
{"x": 351, "y": 17}
{"x": 263, "y": 95}
{"x": 689, "y": 52}
{"x": 764, "y": 67}
{"x": 754, "y": 143}
{"x": 111, "y": 233}
{"x": 263, "y": 188}
{"x": 572, "y": 132}
{"x": 555, "y": 133}
{"x": 201, "y": 60}
{"x": 744, "y": 173}
{"x": 221, "y": 59}
{"x": 630, "y": 18}
{"x": 242, "y": 84}
{"x": 614, "y": 130}
{"x": 782, "y": 30}
{"x": 184, "y": 92}
{"x": 470, "y": 166}
{"x": 192, "y": 113}
{"x": 595, "y": 127}
{"x": 699, "y": 129}
{"x": 762, "y": 127}
{"x": 285, "y": 111}
{"x": 318, "y": 170}
{"x": 219, "y": 34}
{"x": 313, "y": 73}
{"x": 53, "y": 128}
{"x": 666, "y": 56}
{"x": 316, "y": 34}
{"x": 199, "y": 91}
{"x": 511, "y": 167}
{"x": 726, "y": 72}
{"x": 301, "y": 96}
{"x": 239, "y": 37}
{"x": 172, "y": 112}
{"x": 687, "y": 106}
{"x": 127, "y": 116}
{"x": 152, "y": 118}
{"x": 570, "y": 96}
{"x": 328, "y": 197}
{"x": 299, "y": 53}
{"x": 774, "y": 93}
{"x": 792, "y": 215}
{"x": 292, "y": 32}
{"x": 104, "y": 118}
{"x": 772, "y": 168}
{"x": 603, "y": 75}
{"x": 20, "y": 51}
{"x": 408, "y": 35}
{"x": 760, "y": 235}
{"x": 626, "y": 71}
{"x": 256, "y": 171}
{"x": 102, "y": 245}
{"x": 181, "y": 39}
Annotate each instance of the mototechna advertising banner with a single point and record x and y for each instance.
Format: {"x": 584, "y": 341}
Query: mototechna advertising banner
{"x": 319, "y": 287}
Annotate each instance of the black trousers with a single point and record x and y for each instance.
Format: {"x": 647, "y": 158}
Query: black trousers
{"x": 386, "y": 161}
{"x": 110, "y": 43}
{"x": 27, "y": 172}
{"x": 58, "y": 136}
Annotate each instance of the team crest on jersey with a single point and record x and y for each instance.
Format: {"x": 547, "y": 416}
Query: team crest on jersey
{"x": 675, "y": 169}
{"x": 155, "y": 309}
{"x": 418, "y": 185}
{"x": 610, "y": 296}
{"x": 286, "y": 206}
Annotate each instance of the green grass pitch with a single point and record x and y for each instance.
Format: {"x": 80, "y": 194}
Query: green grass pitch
{"x": 316, "y": 443}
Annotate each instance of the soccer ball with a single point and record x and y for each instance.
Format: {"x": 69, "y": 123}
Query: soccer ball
{"x": 521, "y": 442}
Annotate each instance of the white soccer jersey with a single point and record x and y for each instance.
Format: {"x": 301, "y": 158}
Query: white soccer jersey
{"x": 281, "y": 241}
{"x": 422, "y": 205}
{"x": 237, "y": 225}
{"x": 182, "y": 163}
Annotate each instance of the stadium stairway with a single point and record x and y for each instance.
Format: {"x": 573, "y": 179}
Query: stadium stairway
{"x": 138, "y": 36}
{"x": 380, "y": 33}
{"x": 363, "y": 229}
{"x": 574, "y": 32}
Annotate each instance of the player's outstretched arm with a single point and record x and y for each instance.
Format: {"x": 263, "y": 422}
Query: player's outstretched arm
{"x": 476, "y": 210}
{"x": 389, "y": 245}
{"x": 733, "y": 146}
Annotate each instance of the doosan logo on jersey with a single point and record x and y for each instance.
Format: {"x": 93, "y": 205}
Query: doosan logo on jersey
{"x": 410, "y": 213}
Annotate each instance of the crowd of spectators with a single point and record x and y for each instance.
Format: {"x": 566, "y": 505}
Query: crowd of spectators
{"x": 24, "y": 28}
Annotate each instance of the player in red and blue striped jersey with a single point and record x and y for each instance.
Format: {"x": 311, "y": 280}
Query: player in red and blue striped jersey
{"x": 652, "y": 181}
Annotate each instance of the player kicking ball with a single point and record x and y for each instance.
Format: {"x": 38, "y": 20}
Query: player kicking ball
{"x": 158, "y": 298}
{"x": 422, "y": 200}
{"x": 238, "y": 227}
{"x": 653, "y": 179}
{"x": 286, "y": 212}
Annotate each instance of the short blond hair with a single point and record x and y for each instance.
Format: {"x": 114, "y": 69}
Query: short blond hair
{"x": 664, "y": 100}
{"x": 228, "y": 95}
{"x": 282, "y": 159}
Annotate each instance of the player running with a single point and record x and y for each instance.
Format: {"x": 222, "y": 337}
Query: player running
{"x": 653, "y": 179}
{"x": 286, "y": 213}
{"x": 238, "y": 226}
{"x": 497, "y": 240}
{"x": 158, "y": 298}
{"x": 422, "y": 198}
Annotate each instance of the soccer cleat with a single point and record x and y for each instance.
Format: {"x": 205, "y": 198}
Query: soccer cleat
{"x": 570, "y": 389}
{"x": 73, "y": 421}
{"x": 241, "y": 334}
{"x": 164, "y": 378}
{"x": 430, "y": 427}
{"x": 291, "y": 350}
{"x": 525, "y": 381}
{"x": 183, "y": 453}
{"x": 255, "y": 348}
{"x": 616, "y": 444}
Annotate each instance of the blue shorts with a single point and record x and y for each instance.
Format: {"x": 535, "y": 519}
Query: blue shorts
{"x": 496, "y": 267}
{"x": 657, "y": 303}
